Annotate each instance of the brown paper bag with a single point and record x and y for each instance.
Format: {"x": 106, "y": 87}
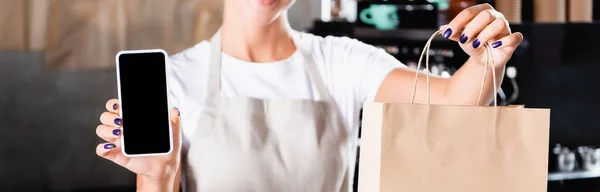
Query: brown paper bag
{"x": 550, "y": 11}
{"x": 581, "y": 11}
{"x": 511, "y": 10}
{"x": 434, "y": 148}
{"x": 12, "y": 20}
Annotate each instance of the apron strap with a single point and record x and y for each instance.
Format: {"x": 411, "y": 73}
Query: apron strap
{"x": 311, "y": 66}
{"x": 214, "y": 75}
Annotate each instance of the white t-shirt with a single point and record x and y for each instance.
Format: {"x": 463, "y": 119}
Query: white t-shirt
{"x": 351, "y": 70}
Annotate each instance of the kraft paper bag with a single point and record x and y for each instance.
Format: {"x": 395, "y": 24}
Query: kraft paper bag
{"x": 435, "y": 148}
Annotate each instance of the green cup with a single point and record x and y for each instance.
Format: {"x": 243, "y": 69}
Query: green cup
{"x": 383, "y": 17}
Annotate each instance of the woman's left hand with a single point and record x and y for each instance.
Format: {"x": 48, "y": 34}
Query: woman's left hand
{"x": 480, "y": 24}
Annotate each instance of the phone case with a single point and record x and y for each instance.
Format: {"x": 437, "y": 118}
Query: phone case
{"x": 119, "y": 97}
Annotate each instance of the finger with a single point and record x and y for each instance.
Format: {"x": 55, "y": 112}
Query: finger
{"x": 175, "y": 117}
{"x": 461, "y": 20}
{"x": 112, "y": 105}
{"x": 108, "y": 133}
{"x": 509, "y": 43}
{"x": 111, "y": 119}
{"x": 175, "y": 114}
{"x": 112, "y": 153}
{"x": 473, "y": 28}
{"x": 104, "y": 149}
{"x": 492, "y": 32}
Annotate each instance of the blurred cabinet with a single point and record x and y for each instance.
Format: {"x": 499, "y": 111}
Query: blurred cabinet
{"x": 76, "y": 34}
{"x": 12, "y": 20}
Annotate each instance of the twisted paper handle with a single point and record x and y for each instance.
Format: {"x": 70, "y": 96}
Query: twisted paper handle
{"x": 489, "y": 60}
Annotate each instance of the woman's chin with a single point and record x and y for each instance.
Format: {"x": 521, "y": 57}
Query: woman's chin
{"x": 263, "y": 20}
{"x": 268, "y": 3}
{"x": 264, "y": 16}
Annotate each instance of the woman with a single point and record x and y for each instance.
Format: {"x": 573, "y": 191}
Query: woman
{"x": 297, "y": 132}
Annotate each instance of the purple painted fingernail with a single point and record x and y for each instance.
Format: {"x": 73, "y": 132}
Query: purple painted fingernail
{"x": 178, "y": 112}
{"x": 116, "y": 132}
{"x": 117, "y": 121}
{"x": 463, "y": 38}
{"x": 447, "y": 33}
{"x": 109, "y": 146}
{"x": 115, "y": 106}
{"x": 476, "y": 43}
{"x": 496, "y": 44}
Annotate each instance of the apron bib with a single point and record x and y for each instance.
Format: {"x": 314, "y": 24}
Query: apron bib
{"x": 255, "y": 145}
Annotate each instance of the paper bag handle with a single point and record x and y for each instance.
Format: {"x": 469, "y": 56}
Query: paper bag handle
{"x": 489, "y": 60}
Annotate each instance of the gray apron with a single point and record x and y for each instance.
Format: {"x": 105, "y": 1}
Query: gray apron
{"x": 248, "y": 144}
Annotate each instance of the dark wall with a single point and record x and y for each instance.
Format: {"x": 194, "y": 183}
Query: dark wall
{"x": 47, "y": 127}
{"x": 561, "y": 70}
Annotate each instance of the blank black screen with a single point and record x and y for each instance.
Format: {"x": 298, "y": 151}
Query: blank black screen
{"x": 144, "y": 103}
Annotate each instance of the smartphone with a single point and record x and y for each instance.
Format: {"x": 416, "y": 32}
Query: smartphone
{"x": 143, "y": 102}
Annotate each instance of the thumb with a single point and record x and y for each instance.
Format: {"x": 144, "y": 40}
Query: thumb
{"x": 175, "y": 116}
{"x": 454, "y": 36}
{"x": 510, "y": 42}
{"x": 175, "y": 124}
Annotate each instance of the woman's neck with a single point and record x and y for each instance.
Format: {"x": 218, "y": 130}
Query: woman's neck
{"x": 257, "y": 43}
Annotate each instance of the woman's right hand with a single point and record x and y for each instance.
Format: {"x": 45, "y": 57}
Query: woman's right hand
{"x": 159, "y": 169}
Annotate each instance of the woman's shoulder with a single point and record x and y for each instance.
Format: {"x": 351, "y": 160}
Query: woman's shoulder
{"x": 188, "y": 69}
{"x": 197, "y": 53}
{"x": 190, "y": 60}
{"x": 338, "y": 46}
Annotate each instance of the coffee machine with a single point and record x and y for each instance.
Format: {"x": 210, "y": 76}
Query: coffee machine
{"x": 396, "y": 14}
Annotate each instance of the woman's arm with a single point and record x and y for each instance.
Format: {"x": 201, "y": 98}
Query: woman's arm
{"x": 471, "y": 28}
{"x": 147, "y": 185}
{"x": 461, "y": 89}
{"x": 172, "y": 184}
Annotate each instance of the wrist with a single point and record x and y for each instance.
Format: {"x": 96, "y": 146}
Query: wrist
{"x": 147, "y": 184}
{"x": 481, "y": 62}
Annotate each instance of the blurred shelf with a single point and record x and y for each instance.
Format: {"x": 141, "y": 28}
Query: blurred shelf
{"x": 407, "y": 34}
{"x": 560, "y": 176}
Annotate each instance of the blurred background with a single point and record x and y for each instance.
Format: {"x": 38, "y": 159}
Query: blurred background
{"x": 57, "y": 71}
